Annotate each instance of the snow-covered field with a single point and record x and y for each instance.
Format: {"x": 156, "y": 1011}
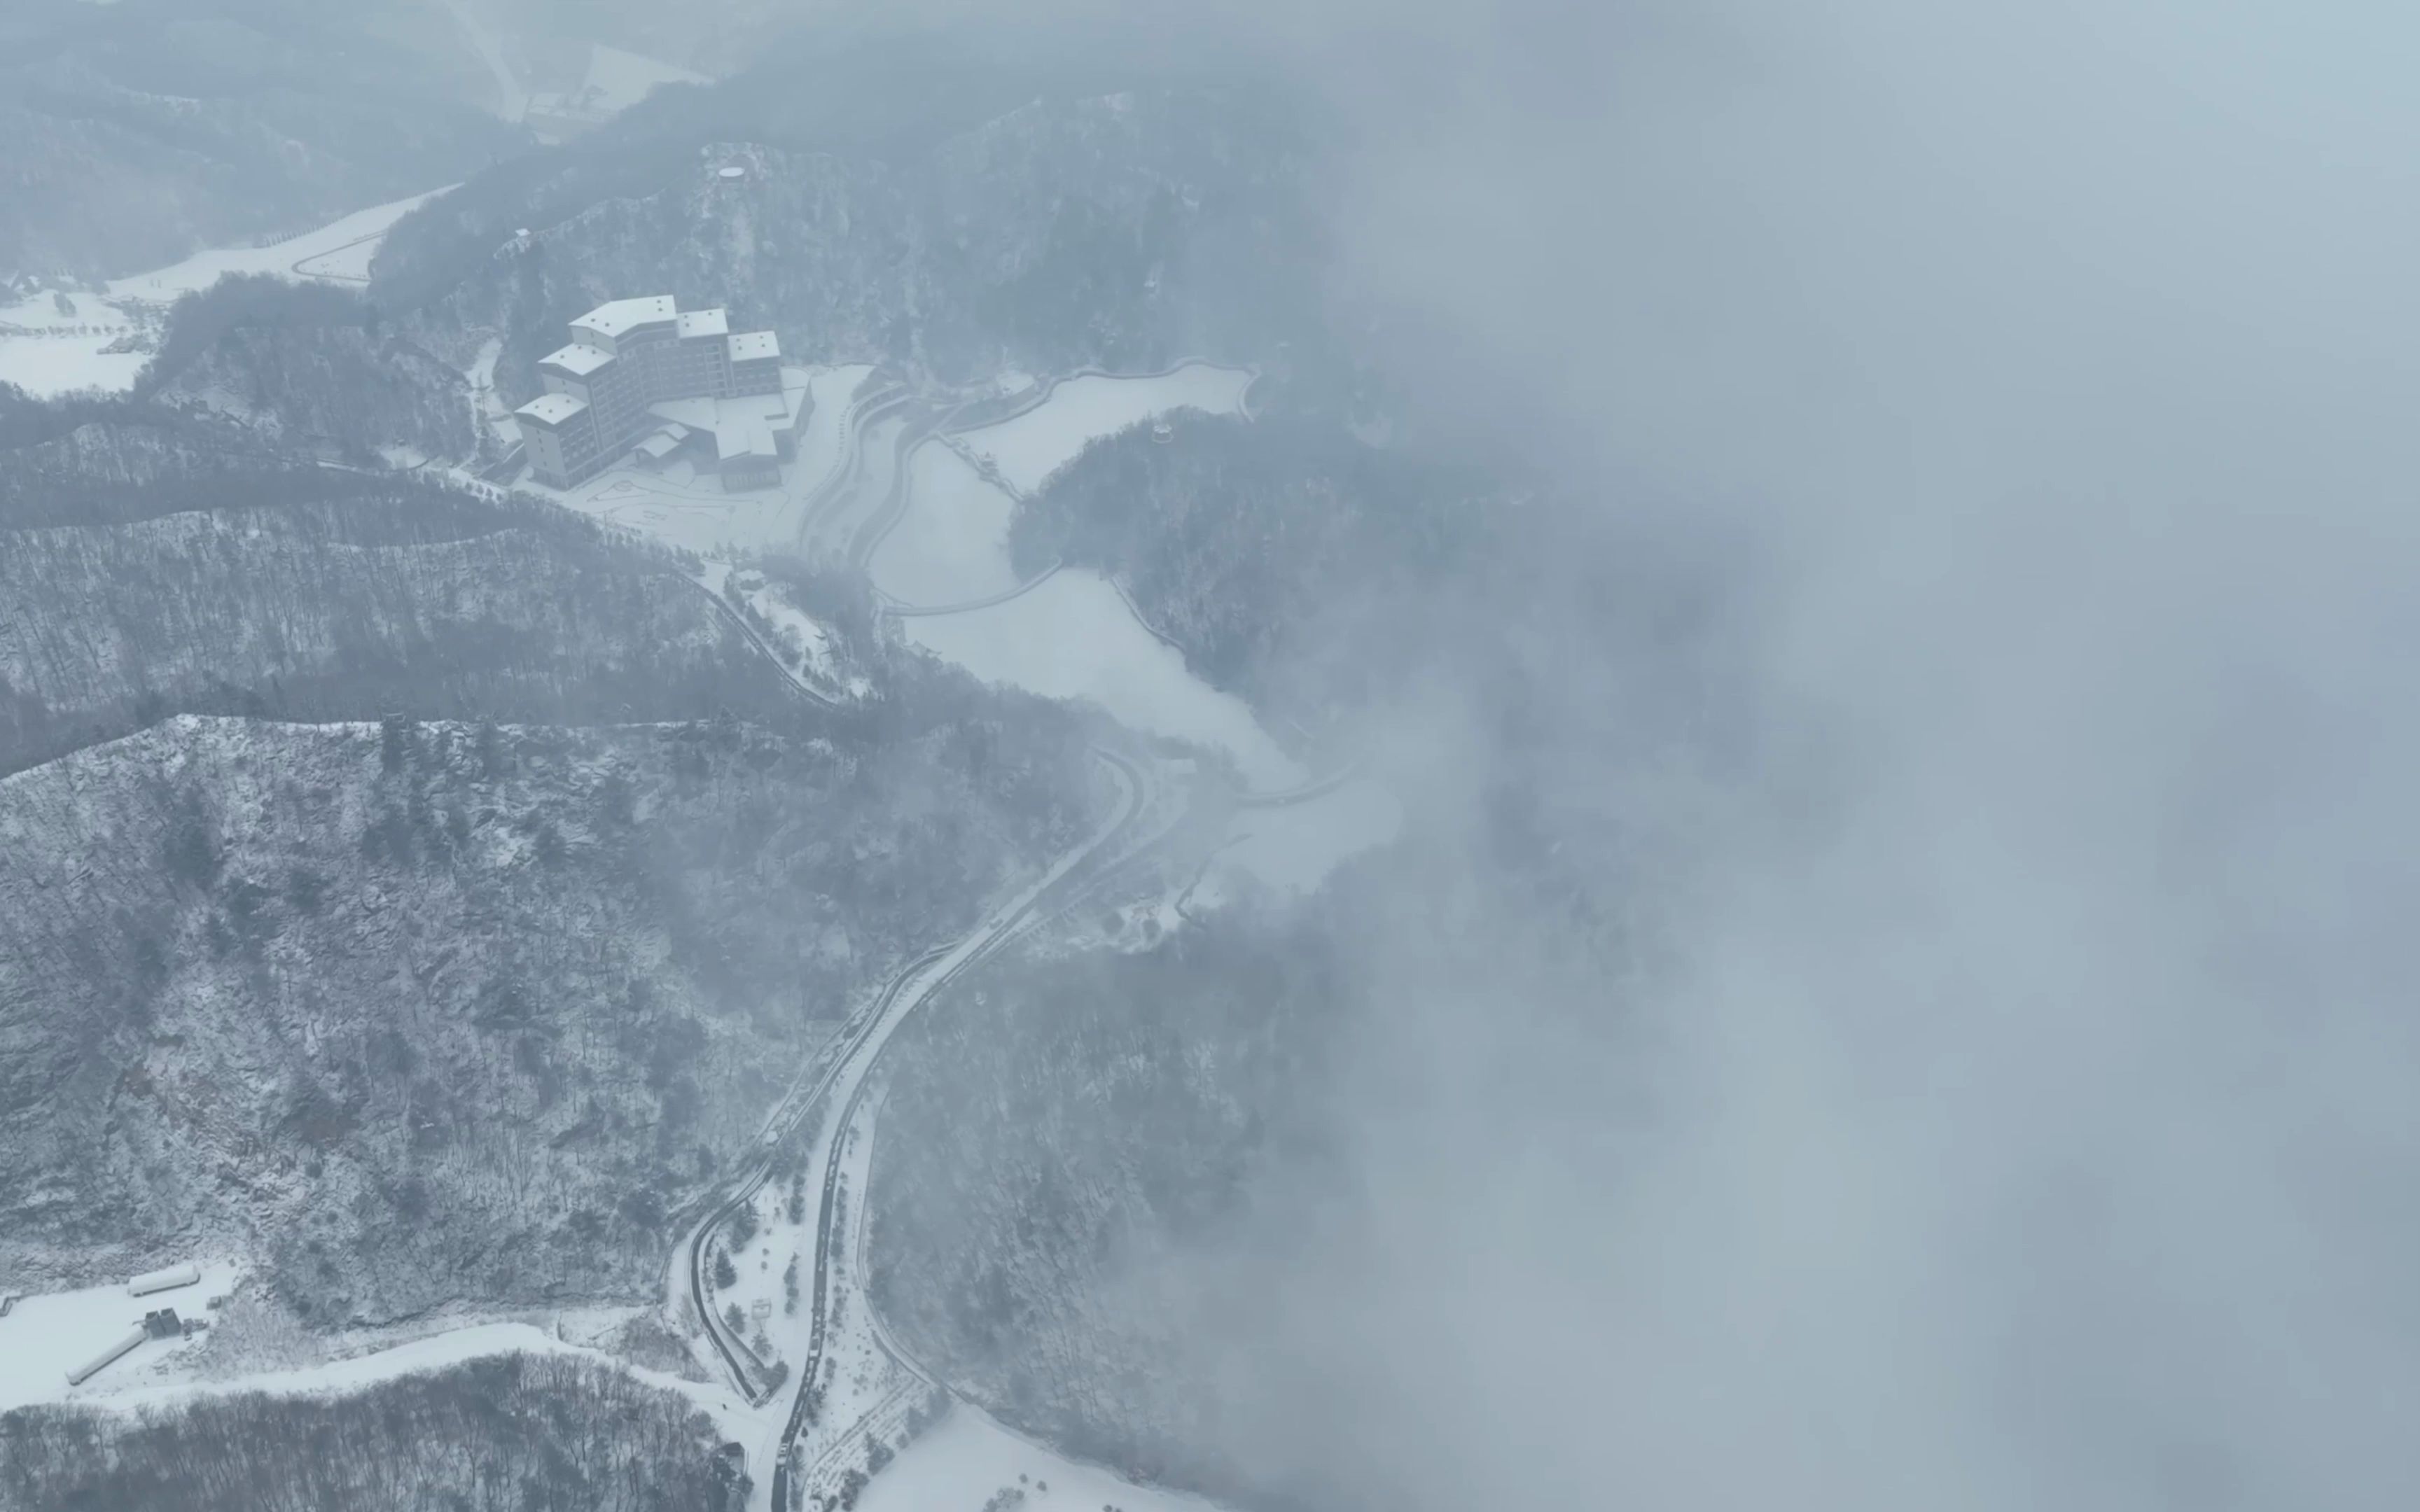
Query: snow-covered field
{"x": 1029, "y": 447}
{"x": 435, "y": 1353}
{"x": 55, "y": 353}
{"x": 339, "y": 250}
{"x": 45, "y": 1337}
{"x": 61, "y": 357}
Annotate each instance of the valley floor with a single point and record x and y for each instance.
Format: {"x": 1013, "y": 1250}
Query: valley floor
{"x": 47, "y": 350}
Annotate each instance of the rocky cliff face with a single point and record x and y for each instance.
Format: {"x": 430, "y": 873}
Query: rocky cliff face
{"x": 431, "y": 1013}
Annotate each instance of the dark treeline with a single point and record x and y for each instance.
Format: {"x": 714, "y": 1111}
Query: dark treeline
{"x": 522, "y": 1433}
{"x": 198, "y": 320}
{"x": 1247, "y": 541}
{"x": 152, "y": 571}
{"x": 1134, "y": 1105}
{"x": 25, "y": 420}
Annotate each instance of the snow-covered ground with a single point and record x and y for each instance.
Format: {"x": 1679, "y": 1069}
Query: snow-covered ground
{"x": 617, "y": 80}
{"x": 1029, "y": 447}
{"x": 1072, "y": 637}
{"x": 488, "y": 409}
{"x": 866, "y": 1392}
{"x": 804, "y": 641}
{"x": 434, "y": 1352}
{"x": 878, "y": 451}
{"x": 952, "y": 545}
{"x": 823, "y": 444}
{"x": 50, "y": 357}
{"x": 54, "y": 353}
{"x": 967, "y": 1459}
{"x": 1292, "y": 849}
{"x": 45, "y": 1337}
{"x": 770, "y": 1322}
{"x": 681, "y": 508}
{"x": 341, "y": 249}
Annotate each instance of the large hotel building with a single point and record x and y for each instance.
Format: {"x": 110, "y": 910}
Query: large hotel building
{"x": 643, "y": 378}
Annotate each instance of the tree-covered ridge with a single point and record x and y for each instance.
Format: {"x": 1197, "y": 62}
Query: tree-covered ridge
{"x": 1063, "y": 1134}
{"x": 1127, "y": 231}
{"x": 1270, "y": 549}
{"x": 429, "y": 1013}
{"x": 401, "y": 599}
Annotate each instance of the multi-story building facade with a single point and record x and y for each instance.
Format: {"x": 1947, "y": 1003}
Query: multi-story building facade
{"x": 629, "y": 356}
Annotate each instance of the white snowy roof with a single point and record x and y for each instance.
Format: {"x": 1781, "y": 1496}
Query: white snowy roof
{"x": 705, "y": 323}
{"x": 616, "y": 317}
{"x": 576, "y": 359}
{"x": 754, "y": 347}
{"x": 741, "y": 437}
{"x": 697, "y": 414}
{"x": 551, "y": 408}
{"x": 743, "y": 426}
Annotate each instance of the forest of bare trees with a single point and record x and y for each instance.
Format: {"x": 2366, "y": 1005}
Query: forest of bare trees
{"x": 520, "y": 1433}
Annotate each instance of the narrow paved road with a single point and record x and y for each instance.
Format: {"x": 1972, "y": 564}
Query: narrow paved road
{"x": 843, "y": 1086}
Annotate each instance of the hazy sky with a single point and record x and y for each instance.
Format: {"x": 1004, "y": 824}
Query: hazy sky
{"x": 2029, "y": 1116}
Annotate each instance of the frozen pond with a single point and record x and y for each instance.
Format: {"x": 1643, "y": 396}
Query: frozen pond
{"x": 952, "y": 545}
{"x": 1074, "y": 637}
{"x": 1029, "y": 447}
{"x": 1291, "y": 850}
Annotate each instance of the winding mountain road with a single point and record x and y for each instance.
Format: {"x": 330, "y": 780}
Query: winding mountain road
{"x": 828, "y": 1092}
{"x": 845, "y": 1085}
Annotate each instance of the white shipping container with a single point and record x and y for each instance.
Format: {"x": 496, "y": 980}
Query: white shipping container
{"x": 101, "y": 1361}
{"x": 167, "y": 1280}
